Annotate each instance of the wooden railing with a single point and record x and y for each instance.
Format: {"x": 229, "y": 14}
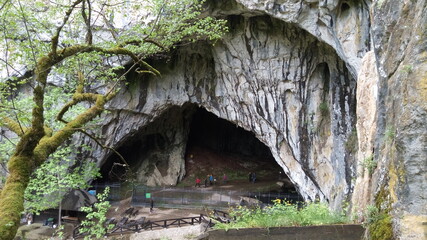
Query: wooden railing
{"x": 176, "y": 222}
{"x": 125, "y": 226}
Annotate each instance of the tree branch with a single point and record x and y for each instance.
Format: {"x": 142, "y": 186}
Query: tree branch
{"x": 55, "y": 38}
{"x": 77, "y": 98}
{"x": 139, "y": 42}
{"x": 86, "y": 19}
{"x": 106, "y": 147}
{"x": 110, "y": 27}
{"x": 4, "y": 4}
{"x": 13, "y": 126}
{"x": 27, "y": 31}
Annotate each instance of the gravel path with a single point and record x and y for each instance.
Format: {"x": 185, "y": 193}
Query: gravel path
{"x": 177, "y": 233}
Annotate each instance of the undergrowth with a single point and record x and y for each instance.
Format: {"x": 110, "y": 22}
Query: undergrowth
{"x": 282, "y": 215}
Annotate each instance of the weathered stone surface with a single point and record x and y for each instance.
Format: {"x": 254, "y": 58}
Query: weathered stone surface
{"x": 271, "y": 78}
{"x": 287, "y": 72}
{"x": 367, "y": 83}
{"x": 400, "y": 37}
{"x": 344, "y": 25}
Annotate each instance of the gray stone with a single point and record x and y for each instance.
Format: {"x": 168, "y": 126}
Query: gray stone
{"x": 284, "y": 85}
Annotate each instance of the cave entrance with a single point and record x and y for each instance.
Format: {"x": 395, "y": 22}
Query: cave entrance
{"x": 205, "y": 144}
{"x": 216, "y": 146}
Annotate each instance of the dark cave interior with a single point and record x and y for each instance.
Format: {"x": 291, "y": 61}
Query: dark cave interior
{"x": 209, "y": 131}
{"x": 214, "y": 145}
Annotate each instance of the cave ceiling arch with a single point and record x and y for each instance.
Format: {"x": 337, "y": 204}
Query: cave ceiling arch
{"x": 269, "y": 77}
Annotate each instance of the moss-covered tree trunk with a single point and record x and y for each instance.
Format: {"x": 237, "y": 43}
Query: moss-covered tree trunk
{"x": 23, "y": 162}
{"x": 36, "y": 145}
{"x": 21, "y": 166}
{"x": 12, "y": 196}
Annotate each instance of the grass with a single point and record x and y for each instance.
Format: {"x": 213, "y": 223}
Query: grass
{"x": 283, "y": 215}
{"x": 370, "y": 164}
{"x": 389, "y": 134}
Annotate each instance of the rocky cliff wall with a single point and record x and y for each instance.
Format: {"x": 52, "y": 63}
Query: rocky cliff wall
{"x": 287, "y": 72}
{"x": 271, "y": 78}
{"x": 399, "y": 182}
{"x": 344, "y": 121}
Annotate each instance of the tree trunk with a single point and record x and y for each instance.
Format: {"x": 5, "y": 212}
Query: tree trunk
{"x": 12, "y": 196}
{"x": 28, "y": 157}
{"x": 59, "y": 213}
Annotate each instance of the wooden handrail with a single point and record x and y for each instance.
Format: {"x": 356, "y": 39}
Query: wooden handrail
{"x": 135, "y": 226}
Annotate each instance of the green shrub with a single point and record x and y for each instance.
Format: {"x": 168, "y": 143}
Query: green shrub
{"x": 94, "y": 225}
{"x": 281, "y": 215}
{"x": 390, "y": 134}
{"x": 370, "y": 164}
{"x": 378, "y": 223}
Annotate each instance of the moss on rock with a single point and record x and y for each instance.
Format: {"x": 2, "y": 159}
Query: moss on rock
{"x": 382, "y": 228}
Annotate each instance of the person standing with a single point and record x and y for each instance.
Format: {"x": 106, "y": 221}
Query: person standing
{"x": 197, "y": 182}
{"x": 151, "y": 205}
{"x": 211, "y": 179}
{"x": 224, "y": 179}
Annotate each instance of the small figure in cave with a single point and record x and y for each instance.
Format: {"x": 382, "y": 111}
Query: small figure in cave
{"x": 250, "y": 177}
{"x": 253, "y": 177}
{"x": 197, "y": 182}
{"x": 206, "y": 181}
{"x": 151, "y": 206}
{"x": 29, "y": 218}
{"x": 224, "y": 179}
{"x": 211, "y": 179}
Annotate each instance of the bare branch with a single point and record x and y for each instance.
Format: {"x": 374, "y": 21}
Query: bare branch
{"x": 55, "y": 38}
{"x": 28, "y": 32}
{"x": 87, "y": 19}
{"x": 109, "y": 26}
{"x": 16, "y": 117}
{"x": 4, "y": 4}
{"x": 105, "y": 147}
{"x": 155, "y": 24}
{"x": 8, "y": 65}
{"x": 10, "y": 141}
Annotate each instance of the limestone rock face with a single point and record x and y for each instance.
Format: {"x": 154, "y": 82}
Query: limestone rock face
{"x": 302, "y": 77}
{"x": 400, "y": 37}
{"x": 159, "y": 150}
{"x": 344, "y": 25}
{"x": 269, "y": 77}
{"x": 367, "y": 98}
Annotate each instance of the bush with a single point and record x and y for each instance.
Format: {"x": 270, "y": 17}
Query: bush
{"x": 282, "y": 215}
{"x": 94, "y": 225}
{"x": 370, "y": 164}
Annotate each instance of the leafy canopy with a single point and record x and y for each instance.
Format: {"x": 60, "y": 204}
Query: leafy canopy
{"x": 139, "y": 29}
{"x": 80, "y": 47}
{"x": 56, "y": 177}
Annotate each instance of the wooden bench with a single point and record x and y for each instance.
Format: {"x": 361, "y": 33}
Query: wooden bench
{"x": 70, "y": 219}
